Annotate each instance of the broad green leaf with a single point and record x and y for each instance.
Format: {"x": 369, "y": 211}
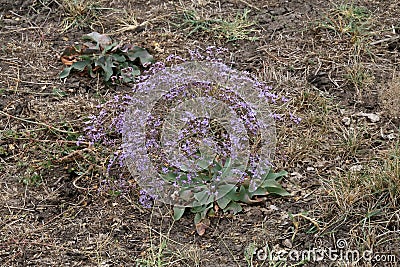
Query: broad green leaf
{"x": 118, "y": 58}
{"x": 228, "y": 163}
{"x": 86, "y": 57}
{"x": 201, "y": 215}
{"x": 243, "y": 195}
{"x": 178, "y": 212}
{"x": 278, "y": 191}
{"x": 236, "y": 196}
{"x": 140, "y": 53}
{"x": 204, "y": 163}
{"x": 275, "y": 175}
{"x": 65, "y": 72}
{"x": 201, "y": 196}
{"x": 270, "y": 183}
{"x": 224, "y": 189}
{"x": 259, "y": 192}
{"x": 135, "y": 70}
{"x": 217, "y": 166}
{"x": 109, "y": 47}
{"x": 197, "y": 218}
{"x": 198, "y": 209}
{"x": 234, "y": 207}
{"x": 224, "y": 201}
{"x": 170, "y": 177}
{"x": 107, "y": 65}
{"x": 80, "y": 65}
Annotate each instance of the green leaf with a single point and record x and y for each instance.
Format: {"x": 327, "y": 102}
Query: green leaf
{"x": 236, "y": 196}
{"x": 201, "y": 213}
{"x": 234, "y": 207}
{"x": 109, "y": 47}
{"x": 80, "y": 65}
{"x": 198, "y": 209}
{"x": 198, "y": 218}
{"x": 178, "y": 212}
{"x": 261, "y": 191}
{"x": 224, "y": 189}
{"x": 278, "y": 191}
{"x": 270, "y": 183}
{"x": 275, "y": 176}
{"x": 224, "y": 201}
{"x": 228, "y": 163}
{"x": 65, "y": 73}
{"x": 140, "y": 53}
{"x": 201, "y": 196}
{"x": 135, "y": 70}
{"x": 170, "y": 177}
{"x": 59, "y": 92}
{"x": 91, "y": 73}
{"x": 118, "y": 58}
{"x": 107, "y": 65}
{"x": 204, "y": 163}
{"x": 243, "y": 195}
{"x": 217, "y": 167}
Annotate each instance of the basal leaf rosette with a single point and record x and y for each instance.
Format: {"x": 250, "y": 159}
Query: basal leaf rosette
{"x": 196, "y": 130}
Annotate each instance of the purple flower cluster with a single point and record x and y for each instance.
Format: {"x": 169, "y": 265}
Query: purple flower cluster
{"x": 185, "y": 116}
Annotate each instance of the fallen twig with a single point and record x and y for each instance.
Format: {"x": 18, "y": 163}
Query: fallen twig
{"x": 390, "y": 39}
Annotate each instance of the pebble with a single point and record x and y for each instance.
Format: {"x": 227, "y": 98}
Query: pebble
{"x": 287, "y": 243}
{"x": 356, "y": 168}
{"x": 346, "y": 121}
{"x": 370, "y": 116}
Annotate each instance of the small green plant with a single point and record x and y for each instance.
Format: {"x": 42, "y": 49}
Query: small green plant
{"x": 350, "y": 20}
{"x": 79, "y": 13}
{"x": 155, "y": 256}
{"x": 207, "y": 203}
{"x": 239, "y": 28}
{"x": 359, "y": 77}
{"x": 100, "y": 55}
{"x": 204, "y": 167}
{"x": 32, "y": 179}
{"x": 249, "y": 254}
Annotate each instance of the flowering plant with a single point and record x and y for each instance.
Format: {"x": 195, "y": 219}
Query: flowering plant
{"x": 197, "y": 135}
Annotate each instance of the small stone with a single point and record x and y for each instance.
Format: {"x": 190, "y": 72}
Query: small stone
{"x": 356, "y": 168}
{"x": 391, "y": 136}
{"x": 287, "y": 243}
{"x": 346, "y": 121}
{"x": 310, "y": 169}
{"x": 296, "y": 175}
{"x": 273, "y": 207}
{"x": 370, "y": 116}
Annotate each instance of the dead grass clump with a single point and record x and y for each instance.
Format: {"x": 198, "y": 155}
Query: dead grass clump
{"x": 380, "y": 180}
{"x": 79, "y": 13}
{"x": 390, "y": 97}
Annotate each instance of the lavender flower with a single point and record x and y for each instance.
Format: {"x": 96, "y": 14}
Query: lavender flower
{"x": 180, "y": 121}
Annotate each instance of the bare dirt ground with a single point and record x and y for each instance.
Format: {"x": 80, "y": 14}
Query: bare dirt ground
{"x": 339, "y": 65}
